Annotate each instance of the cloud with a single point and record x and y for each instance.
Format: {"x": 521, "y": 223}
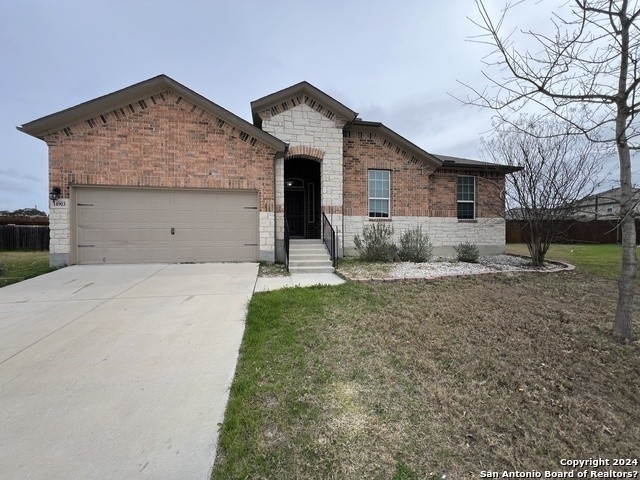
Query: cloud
{"x": 11, "y": 173}
{"x": 436, "y": 125}
{"x": 21, "y": 190}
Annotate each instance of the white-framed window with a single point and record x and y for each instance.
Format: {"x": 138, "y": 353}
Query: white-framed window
{"x": 379, "y": 193}
{"x": 466, "y": 197}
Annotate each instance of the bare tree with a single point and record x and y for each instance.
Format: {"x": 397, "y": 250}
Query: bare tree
{"x": 557, "y": 169}
{"x": 590, "y": 61}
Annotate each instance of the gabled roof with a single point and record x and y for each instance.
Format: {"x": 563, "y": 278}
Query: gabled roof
{"x": 267, "y": 102}
{"x": 399, "y": 140}
{"x": 57, "y": 121}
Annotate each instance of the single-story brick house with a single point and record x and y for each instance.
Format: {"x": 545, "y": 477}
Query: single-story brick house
{"x": 157, "y": 173}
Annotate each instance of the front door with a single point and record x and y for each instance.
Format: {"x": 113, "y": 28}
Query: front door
{"x": 294, "y": 211}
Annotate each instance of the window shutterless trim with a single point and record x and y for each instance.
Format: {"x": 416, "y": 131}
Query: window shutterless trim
{"x": 386, "y": 199}
{"x": 463, "y": 194}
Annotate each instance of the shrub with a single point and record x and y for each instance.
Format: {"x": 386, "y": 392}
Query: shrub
{"x": 415, "y": 246}
{"x": 376, "y": 244}
{"x": 467, "y": 252}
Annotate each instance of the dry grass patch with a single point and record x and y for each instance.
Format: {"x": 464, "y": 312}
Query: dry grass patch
{"x": 356, "y": 268}
{"x": 398, "y": 380}
{"x": 272, "y": 270}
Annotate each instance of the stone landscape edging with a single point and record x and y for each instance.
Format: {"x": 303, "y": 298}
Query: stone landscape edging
{"x": 562, "y": 267}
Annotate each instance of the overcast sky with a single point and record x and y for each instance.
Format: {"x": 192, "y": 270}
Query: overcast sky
{"x": 392, "y": 62}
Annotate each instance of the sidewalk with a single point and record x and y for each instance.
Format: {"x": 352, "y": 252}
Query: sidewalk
{"x": 266, "y": 284}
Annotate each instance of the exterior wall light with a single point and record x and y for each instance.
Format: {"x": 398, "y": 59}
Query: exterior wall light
{"x": 294, "y": 182}
{"x": 54, "y": 194}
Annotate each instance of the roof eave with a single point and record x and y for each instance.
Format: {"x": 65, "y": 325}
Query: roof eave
{"x": 55, "y": 122}
{"x": 399, "y": 139}
{"x": 83, "y": 111}
{"x": 306, "y": 88}
{"x": 487, "y": 167}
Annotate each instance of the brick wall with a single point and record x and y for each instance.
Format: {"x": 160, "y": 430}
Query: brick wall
{"x": 365, "y": 150}
{"x": 416, "y": 189}
{"x": 161, "y": 141}
{"x": 168, "y": 144}
{"x": 443, "y": 193}
{"x": 420, "y": 194}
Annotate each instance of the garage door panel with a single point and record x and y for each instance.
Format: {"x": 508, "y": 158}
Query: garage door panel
{"x": 223, "y": 235}
{"x": 183, "y": 236}
{"x": 205, "y": 218}
{"x": 90, "y": 254}
{"x": 90, "y": 236}
{"x": 244, "y": 215}
{"x": 135, "y": 254}
{"x": 247, "y": 235}
{"x": 183, "y": 219}
{"x": 138, "y": 235}
{"x": 164, "y": 252}
{"x": 181, "y": 254}
{"x": 134, "y": 226}
{"x": 205, "y": 235}
{"x": 115, "y": 215}
{"x": 154, "y": 216}
{"x": 159, "y": 235}
{"x": 119, "y": 236}
{"x": 246, "y": 254}
{"x": 88, "y": 215}
{"x": 144, "y": 216}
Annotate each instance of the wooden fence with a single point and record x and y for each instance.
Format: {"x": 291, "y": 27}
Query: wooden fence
{"x": 573, "y": 231}
{"x": 27, "y": 237}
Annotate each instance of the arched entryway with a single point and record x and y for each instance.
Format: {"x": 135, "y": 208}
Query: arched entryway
{"x": 302, "y": 197}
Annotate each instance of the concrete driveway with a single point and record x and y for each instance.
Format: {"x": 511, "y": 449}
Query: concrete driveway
{"x": 110, "y": 372}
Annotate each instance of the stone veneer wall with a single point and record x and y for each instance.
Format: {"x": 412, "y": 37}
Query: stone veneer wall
{"x": 59, "y": 233}
{"x": 304, "y": 126}
{"x": 445, "y": 233}
{"x": 161, "y": 141}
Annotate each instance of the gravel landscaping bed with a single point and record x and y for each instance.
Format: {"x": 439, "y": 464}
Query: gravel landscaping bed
{"x": 444, "y": 267}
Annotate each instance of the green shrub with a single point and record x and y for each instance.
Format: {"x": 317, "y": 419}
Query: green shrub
{"x": 376, "y": 244}
{"x": 467, "y": 252}
{"x": 415, "y": 246}
{"x": 3, "y": 270}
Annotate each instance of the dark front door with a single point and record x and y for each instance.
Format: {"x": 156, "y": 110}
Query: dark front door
{"x": 294, "y": 211}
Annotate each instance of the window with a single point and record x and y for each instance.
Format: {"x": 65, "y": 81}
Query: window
{"x": 466, "y": 197}
{"x": 379, "y": 193}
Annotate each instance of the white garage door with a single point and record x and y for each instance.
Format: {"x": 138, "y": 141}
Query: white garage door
{"x": 159, "y": 226}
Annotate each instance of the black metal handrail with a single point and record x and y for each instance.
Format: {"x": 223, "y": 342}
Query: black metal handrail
{"x": 329, "y": 239}
{"x": 286, "y": 243}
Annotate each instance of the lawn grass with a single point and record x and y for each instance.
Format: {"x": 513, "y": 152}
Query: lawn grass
{"x": 417, "y": 380}
{"x": 602, "y": 260}
{"x": 19, "y": 265}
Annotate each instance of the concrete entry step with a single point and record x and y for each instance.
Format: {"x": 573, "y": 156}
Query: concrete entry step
{"x": 309, "y": 256}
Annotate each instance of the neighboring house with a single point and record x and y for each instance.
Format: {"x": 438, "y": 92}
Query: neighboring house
{"x": 603, "y": 206}
{"x": 157, "y": 173}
